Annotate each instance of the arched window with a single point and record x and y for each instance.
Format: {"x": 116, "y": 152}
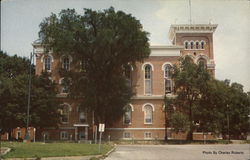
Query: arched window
{"x": 167, "y": 79}
{"x": 66, "y": 63}
{"x": 148, "y": 79}
{"x": 47, "y": 63}
{"x": 202, "y": 62}
{"x": 127, "y": 115}
{"x": 202, "y": 44}
{"x": 65, "y": 83}
{"x": 192, "y": 45}
{"x": 148, "y": 114}
{"x": 128, "y": 74}
{"x": 196, "y": 45}
{"x": 186, "y": 45}
{"x": 65, "y": 113}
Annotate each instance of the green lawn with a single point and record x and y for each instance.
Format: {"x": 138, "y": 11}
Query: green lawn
{"x": 26, "y": 150}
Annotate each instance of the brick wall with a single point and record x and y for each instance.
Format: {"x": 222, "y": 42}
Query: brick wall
{"x": 137, "y": 128}
{"x": 18, "y": 133}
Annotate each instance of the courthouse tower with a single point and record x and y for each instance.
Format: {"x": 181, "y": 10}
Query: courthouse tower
{"x": 197, "y": 40}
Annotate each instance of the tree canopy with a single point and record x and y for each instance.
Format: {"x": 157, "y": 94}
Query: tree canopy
{"x": 209, "y": 103}
{"x": 102, "y": 44}
{"x": 14, "y": 93}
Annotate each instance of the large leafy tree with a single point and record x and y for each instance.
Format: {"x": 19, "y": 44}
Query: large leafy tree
{"x": 210, "y": 109}
{"x": 238, "y": 111}
{"x": 209, "y": 103}
{"x": 189, "y": 80}
{"x": 14, "y": 93}
{"x": 224, "y": 108}
{"x": 102, "y": 44}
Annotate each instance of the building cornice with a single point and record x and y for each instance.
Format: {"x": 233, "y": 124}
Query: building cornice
{"x": 190, "y": 28}
{"x": 166, "y": 47}
{"x": 153, "y": 96}
{"x": 163, "y": 50}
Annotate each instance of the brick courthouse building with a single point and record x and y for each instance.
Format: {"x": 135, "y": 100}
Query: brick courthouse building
{"x": 145, "y": 116}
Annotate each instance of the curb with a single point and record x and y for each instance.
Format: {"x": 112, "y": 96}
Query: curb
{"x": 46, "y": 158}
{"x": 108, "y": 153}
{"x": 6, "y": 151}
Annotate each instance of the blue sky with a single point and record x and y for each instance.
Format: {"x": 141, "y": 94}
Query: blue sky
{"x": 20, "y": 21}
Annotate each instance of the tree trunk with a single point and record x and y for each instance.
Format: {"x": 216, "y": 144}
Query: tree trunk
{"x": 191, "y": 129}
{"x": 166, "y": 126}
{"x": 190, "y": 133}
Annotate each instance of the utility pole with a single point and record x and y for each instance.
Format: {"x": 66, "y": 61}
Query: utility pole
{"x": 27, "y": 135}
{"x": 228, "y": 123}
{"x": 166, "y": 118}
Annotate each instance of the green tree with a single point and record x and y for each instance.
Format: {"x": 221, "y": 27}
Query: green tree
{"x": 224, "y": 104}
{"x": 44, "y": 111}
{"x": 180, "y": 122}
{"x": 101, "y": 43}
{"x": 211, "y": 107}
{"x": 189, "y": 80}
{"x": 238, "y": 109}
{"x": 209, "y": 103}
{"x": 14, "y": 93}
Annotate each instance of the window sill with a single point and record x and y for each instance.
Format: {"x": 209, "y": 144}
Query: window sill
{"x": 193, "y": 49}
{"x": 127, "y": 124}
{"x": 148, "y": 123}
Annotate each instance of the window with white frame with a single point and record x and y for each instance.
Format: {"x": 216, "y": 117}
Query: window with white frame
{"x": 196, "y": 45}
{"x": 82, "y": 115}
{"x": 148, "y": 79}
{"x": 148, "y": 114}
{"x": 191, "y": 45}
{"x": 186, "y": 45}
{"x": 65, "y": 83}
{"x": 127, "y": 119}
{"x": 64, "y": 135}
{"x": 47, "y": 63}
{"x": 202, "y": 44}
{"x": 66, "y": 62}
{"x": 65, "y": 113}
{"x": 147, "y": 135}
{"x": 128, "y": 74}
{"x": 126, "y": 135}
{"x": 167, "y": 79}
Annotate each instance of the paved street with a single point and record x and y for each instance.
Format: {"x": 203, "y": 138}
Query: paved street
{"x": 181, "y": 152}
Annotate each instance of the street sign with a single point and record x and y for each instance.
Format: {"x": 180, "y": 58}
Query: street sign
{"x": 101, "y": 127}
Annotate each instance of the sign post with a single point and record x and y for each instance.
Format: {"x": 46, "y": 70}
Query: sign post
{"x": 95, "y": 134}
{"x": 101, "y": 129}
{"x": 34, "y": 136}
